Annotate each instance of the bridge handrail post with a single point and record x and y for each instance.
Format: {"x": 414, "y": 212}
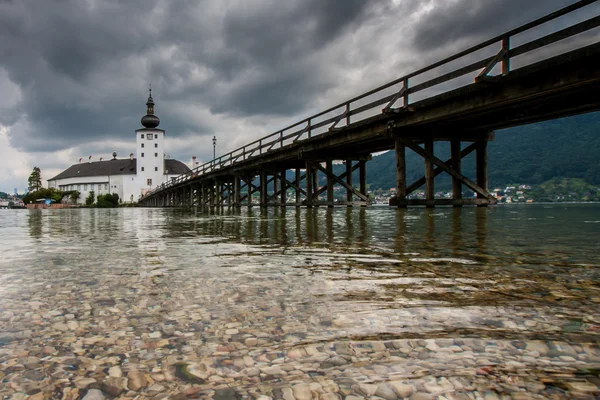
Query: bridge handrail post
{"x": 280, "y": 139}
{"x": 260, "y": 146}
{"x": 506, "y": 58}
{"x": 309, "y": 126}
{"x": 405, "y": 95}
{"x": 347, "y": 113}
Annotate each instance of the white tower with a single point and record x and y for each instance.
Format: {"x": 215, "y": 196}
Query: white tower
{"x": 150, "y": 150}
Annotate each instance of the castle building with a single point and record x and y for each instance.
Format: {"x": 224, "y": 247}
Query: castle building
{"x": 130, "y": 178}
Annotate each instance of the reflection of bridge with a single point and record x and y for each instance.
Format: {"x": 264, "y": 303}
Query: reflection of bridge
{"x": 450, "y": 107}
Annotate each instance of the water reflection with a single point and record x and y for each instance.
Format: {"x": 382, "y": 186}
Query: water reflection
{"x": 363, "y": 301}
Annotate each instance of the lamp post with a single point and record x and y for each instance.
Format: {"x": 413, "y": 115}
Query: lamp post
{"x": 214, "y": 146}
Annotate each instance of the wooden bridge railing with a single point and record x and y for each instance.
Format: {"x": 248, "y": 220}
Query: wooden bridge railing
{"x": 321, "y": 122}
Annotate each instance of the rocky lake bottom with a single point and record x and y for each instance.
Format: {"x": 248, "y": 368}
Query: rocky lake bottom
{"x": 377, "y": 303}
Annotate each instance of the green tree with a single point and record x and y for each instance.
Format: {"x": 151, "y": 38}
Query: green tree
{"x": 74, "y": 196}
{"x": 89, "y": 200}
{"x": 108, "y": 200}
{"x": 35, "y": 180}
{"x": 43, "y": 193}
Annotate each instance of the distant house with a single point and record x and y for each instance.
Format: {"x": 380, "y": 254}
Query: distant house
{"x": 131, "y": 177}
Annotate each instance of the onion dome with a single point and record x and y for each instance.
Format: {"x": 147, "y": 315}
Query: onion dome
{"x": 150, "y": 120}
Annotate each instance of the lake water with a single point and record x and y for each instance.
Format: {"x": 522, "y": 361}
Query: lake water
{"x": 377, "y": 303}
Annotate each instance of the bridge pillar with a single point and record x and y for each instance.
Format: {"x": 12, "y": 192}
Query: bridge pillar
{"x": 349, "y": 182}
{"x": 211, "y": 193}
{"x": 229, "y": 188}
{"x": 481, "y": 167}
{"x": 298, "y": 193}
{"x": 220, "y": 194}
{"x": 429, "y": 176}
{"x": 400, "y": 150}
{"x": 276, "y": 181}
{"x": 282, "y": 194}
{"x": 457, "y": 166}
{"x": 263, "y": 188}
{"x": 237, "y": 190}
{"x": 249, "y": 190}
{"x": 363, "y": 177}
{"x": 329, "y": 167}
{"x": 315, "y": 185}
{"x": 309, "y": 184}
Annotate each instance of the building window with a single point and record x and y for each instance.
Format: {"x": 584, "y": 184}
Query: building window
{"x": 155, "y": 154}
{"x": 149, "y": 182}
{"x": 92, "y": 186}
{"x": 106, "y": 186}
{"x": 142, "y": 169}
{"x": 155, "y": 144}
{"x": 142, "y": 135}
{"x": 142, "y": 154}
{"x": 156, "y": 168}
{"x": 79, "y": 187}
{"x": 155, "y": 136}
{"x": 85, "y": 186}
{"x": 149, "y": 137}
{"x": 142, "y": 145}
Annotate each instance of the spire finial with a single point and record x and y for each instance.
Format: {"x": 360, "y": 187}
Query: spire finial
{"x": 150, "y": 120}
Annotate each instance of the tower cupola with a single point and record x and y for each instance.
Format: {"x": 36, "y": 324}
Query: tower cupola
{"x": 150, "y": 120}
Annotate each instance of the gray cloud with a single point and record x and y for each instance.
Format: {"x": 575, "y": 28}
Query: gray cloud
{"x": 450, "y": 21}
{"x": 77, "y": 71}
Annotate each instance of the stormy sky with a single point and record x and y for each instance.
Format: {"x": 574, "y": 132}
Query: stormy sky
{"x": 74, "y": 74}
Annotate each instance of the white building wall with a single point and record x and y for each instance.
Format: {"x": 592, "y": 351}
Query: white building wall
{"x": 118, "y": 184}
{"x": 150, "y": 154}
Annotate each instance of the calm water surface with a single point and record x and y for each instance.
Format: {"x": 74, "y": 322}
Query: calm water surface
{"x": 376, "y": 303}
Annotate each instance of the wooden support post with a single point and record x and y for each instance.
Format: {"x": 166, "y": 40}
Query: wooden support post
{"x": 298, "y": 193}
{"x": 218, "y": 197}
{"x": 237, "y": 184}
{"x": 329, "y": 167}
{"x": 263, "y": 188}
{"x": 309, "y": 184}
{"x": 481, "y": 166}
{"x": 276, "y": 181}
{"x": 349, "y": 182}
{"x": 456, "y": 158}
{"x": 213, "y": 191}
{"x": 248, "y": 181}
{"x": 283, "y": 188}
{"x": 315, "y": 184}
{"x": 400, "y": 150}
{"x": 429, "y": 176}
{"x": 230, "y": 192}
{"x": 363, "y": 177}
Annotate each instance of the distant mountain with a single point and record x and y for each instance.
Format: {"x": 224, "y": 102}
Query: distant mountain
{"x": 531, "y": 154}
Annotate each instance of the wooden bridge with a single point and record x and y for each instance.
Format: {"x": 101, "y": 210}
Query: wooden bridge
{"x": 461, "y": 100}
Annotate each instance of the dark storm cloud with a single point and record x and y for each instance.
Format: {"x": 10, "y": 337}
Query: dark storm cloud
{"x": 82, "y": 67}
{"x": 67, "y": 57}
{"x": 450, "y": 21}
